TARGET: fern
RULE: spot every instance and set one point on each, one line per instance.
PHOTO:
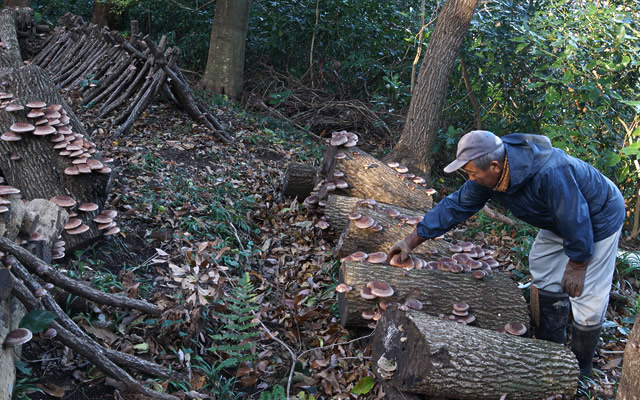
(276, 394)
(235, 337)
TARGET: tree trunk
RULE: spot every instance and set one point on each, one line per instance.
(629, 388)
(430, 93)
(298, 180)
(443, 358)
(10, 53)
(225, 64)
(369, 178)
(358, 239)
(494, 300)
(15, 3)
(39, 171)
(102, 15)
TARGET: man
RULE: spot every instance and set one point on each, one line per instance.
(578, 210)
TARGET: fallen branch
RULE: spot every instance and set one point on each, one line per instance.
(496, 216)
(49, 274)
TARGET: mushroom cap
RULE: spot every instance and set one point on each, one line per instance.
(340, 184)
(466, 246)
(460, 306)
(391, 212)
(11, 136)
(73, 223)
(338, 140)
(81, 229)
(408, 263)
(455, 249)
(368, 314)
(365, 293)
(460, 313)
(109, 213)
(322, 224)
(21, 127)
(73, 170)
(35, 113)
(102, 219)
(6, 189)
(44, 130)
(402, 169)
(474, 264)
(36, 104)
(17, 337)
(430, 191)
(364, 222)
(112, 231)
(63, 201)
(36, 237)
(377, 258)
(343, 288)
(354, 216)
(515, 328)
(14, 107)
(418, 180)
(380, 289)
(414, 220)
(479, 274)
(393, 164)
(50, 333)
(340, 156)
(359, 256)
(311, 200)
(39, 292)
(469, 319)
(413, 304)
(86, 207)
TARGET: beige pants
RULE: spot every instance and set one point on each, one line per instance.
(547, 262)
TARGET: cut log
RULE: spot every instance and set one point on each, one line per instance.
(494, 300)
(369, 178)
(629, 388)
(298, 181)
(394, 229)
(423, 354)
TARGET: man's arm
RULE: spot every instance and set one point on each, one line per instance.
(452, 210)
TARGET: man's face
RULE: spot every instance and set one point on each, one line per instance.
(488, 178)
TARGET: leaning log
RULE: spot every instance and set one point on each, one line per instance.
(423, 354)
(494, 301)
(629, 388)
(394, 229)
(370, 178)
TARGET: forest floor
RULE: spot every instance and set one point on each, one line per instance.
(206, 235)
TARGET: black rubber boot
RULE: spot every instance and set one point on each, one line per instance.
(584, 340)
(554, 312)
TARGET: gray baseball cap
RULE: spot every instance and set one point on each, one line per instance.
(473, 145)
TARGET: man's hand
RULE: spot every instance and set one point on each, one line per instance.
(401, 248)
(573, 278)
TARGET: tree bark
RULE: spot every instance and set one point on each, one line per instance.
(298, 181)
(358, 239)
(494, 300)
(443, 358)
(225, 64)
(15, 3)
(9, 53)
(39, 173)
(339, 207)
(369, 178)
(425, 110)
(102, 15)
(629, 388)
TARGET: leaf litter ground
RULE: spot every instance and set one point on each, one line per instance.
(195, 215)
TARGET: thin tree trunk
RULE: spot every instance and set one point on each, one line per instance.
(629, 388)
(425, 111)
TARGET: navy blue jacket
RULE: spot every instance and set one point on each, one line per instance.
(548, 189)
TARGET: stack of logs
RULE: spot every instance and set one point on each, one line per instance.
(448, 323)
(102, 68)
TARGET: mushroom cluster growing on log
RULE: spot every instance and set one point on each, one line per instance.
(53, 121)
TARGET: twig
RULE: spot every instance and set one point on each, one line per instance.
(313, 40)
(472, 97)
(295, 357)
(496, 216)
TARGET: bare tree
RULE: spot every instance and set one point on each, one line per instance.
(429, 95)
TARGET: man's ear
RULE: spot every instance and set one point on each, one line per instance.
(495, 166)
